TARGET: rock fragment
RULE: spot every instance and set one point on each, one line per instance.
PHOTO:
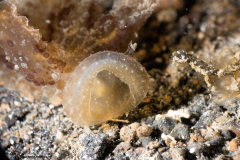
(128, 133)
(144, 131)
(95, 146)
(180, 132)
(122, 148)
(165, 124)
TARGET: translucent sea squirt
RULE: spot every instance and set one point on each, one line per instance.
(105, 85)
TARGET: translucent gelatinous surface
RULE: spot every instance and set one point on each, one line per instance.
(108, 91)
(105, 85)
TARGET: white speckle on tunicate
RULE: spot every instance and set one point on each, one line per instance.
(6, 52)
(27, 58)
(47, 21)
(24, 65)
(55, 76)
(16, 67)
(7, 58)
(38, 64)
(23, 43)
(20, 58)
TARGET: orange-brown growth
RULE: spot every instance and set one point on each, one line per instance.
(22, 47)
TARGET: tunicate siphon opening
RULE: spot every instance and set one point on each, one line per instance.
(108, 94)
